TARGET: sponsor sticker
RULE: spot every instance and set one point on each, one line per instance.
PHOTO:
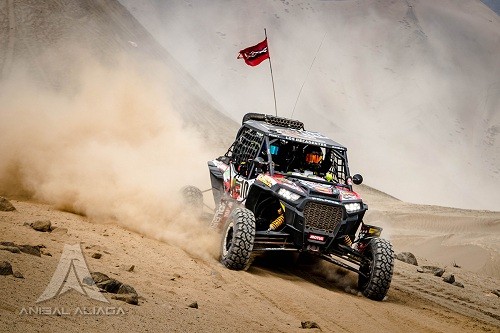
(316, 237)
(266, 180)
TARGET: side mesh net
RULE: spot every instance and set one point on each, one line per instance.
(338, 168)
(246, 147)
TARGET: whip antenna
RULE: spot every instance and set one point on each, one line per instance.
(307, 75)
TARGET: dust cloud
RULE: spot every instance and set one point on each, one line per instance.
(110, 147)
(337, 276)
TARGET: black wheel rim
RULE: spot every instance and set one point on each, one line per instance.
(366, 269)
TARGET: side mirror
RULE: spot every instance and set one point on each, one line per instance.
(357, 179)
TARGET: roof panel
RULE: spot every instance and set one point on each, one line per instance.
(296, 135)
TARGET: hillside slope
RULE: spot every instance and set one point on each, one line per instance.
(411, 87)
(54, 44)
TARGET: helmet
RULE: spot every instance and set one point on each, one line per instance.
(313, 156)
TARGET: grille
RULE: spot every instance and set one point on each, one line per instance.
(323, 217)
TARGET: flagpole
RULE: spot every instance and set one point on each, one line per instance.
(272, 78)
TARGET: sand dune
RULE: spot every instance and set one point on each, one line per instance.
(411, 87)
(101, 125)
(449, 236)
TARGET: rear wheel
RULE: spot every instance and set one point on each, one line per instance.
(238, 238)
(377, 268)
(193, 198)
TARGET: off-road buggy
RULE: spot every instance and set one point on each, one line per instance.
(270, 198)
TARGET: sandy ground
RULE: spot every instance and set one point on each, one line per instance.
(273, 295)
(468, 238)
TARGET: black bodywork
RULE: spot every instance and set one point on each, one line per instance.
(322, 213)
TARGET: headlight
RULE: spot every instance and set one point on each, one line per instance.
(352, 207)
(288, 195)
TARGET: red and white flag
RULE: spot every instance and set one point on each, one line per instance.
(256, 54)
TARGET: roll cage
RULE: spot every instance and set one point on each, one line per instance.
(260, 146)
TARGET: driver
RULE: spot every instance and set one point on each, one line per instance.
(313, 158)
(315, 163)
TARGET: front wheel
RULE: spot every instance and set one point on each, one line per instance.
(238, 238)
(377, 269)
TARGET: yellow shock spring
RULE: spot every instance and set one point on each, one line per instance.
(278, 222)
(347, 240)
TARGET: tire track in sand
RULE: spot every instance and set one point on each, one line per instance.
(451, 300)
